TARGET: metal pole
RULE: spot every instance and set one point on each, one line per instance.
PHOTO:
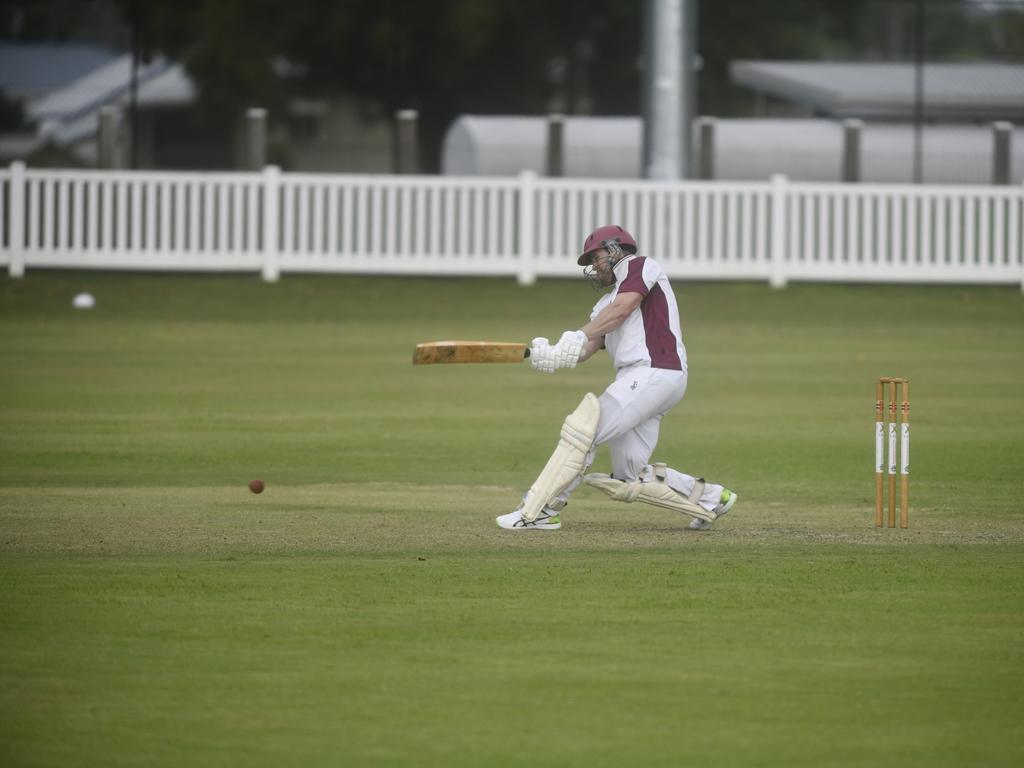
(133, 99)
(918, 89)
(668, 74)
(689, 101)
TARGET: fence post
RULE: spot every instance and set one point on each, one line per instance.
(780, 199)
(527, 185)
(16, 268)
(271, 187)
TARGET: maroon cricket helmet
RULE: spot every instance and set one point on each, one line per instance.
(601, 235)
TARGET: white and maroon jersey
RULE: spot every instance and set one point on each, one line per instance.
(651, 336)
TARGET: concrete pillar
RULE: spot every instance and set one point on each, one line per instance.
(852, 132)
(555, 161)
(255, 139)
(107, 149)
(1002, 152)
(406, 147)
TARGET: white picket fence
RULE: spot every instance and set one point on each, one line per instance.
(524, 226)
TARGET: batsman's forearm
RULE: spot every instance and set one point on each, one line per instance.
(607, 320)
(592, 345)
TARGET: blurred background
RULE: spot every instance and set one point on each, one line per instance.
(928, 78)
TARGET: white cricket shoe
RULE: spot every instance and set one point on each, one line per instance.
(547, 520)
(727, 502)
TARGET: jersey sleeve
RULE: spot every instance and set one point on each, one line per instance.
(638, 278)
(603, 302)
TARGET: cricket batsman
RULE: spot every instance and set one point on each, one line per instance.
(637, 322)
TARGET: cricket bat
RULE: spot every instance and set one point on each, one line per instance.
(432, 352)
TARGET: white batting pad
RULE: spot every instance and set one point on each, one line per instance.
(656, 492)
(569, 459)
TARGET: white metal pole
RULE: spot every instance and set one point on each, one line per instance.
(669, 86)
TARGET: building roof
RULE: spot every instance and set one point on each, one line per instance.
(30, 70)
(70, 113)
(108, 83)
(887, 90)
(65, 86)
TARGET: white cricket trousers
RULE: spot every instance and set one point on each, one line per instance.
(631, 411)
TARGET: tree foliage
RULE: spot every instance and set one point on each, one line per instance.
(442, 57)
(446, 57)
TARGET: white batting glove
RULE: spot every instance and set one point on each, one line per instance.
(569, 348)
(542, 356)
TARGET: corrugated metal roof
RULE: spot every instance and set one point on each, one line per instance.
(986, 91)
(29, 70)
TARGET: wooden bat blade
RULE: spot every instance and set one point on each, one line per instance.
(433, 352)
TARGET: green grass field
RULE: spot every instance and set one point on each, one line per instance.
(365, 610)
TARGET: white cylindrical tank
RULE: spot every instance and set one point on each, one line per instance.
(744, 149)
(595, 147)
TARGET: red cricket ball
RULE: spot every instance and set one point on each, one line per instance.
(256, 486)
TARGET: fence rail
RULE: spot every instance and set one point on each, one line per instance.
(524, 226)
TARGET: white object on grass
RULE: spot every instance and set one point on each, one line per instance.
(83, 301)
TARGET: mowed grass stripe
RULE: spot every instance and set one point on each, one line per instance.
(366, 610)
(786, 652)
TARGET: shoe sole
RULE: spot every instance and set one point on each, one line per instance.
(548, 523)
